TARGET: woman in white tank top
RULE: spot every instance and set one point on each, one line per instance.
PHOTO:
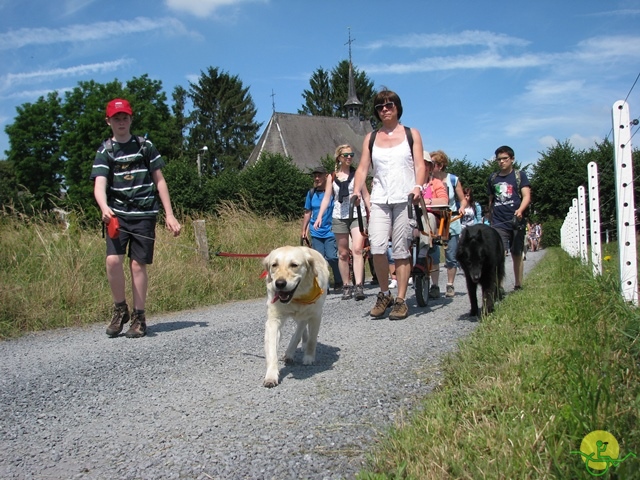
(398, 171)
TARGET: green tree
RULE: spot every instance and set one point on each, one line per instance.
(179, 119)
(556, 178)
(318, 100)
(275, 185)
(329, 92)
(34, 153)
(187, 191)
(223, 119)
(10, 196)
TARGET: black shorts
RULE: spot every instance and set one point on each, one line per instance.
(139, 235)
(513, 240)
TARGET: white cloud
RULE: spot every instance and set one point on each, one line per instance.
(71, 7)
(603, 50)
(552, 91)
(581, 142)
(483, 60)
(203, 8)
(465, 38)
(193, 77)
(11, 79)
(578, 141)
(91, 32)
(625, 12)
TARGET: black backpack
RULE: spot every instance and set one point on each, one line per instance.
(407, 132)
(142, 148)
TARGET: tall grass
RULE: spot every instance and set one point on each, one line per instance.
(54, 278)
(554, 362)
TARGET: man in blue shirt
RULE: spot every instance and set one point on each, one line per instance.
(322, 239)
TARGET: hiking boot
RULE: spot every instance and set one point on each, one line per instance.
(451, 292)
(434, 291)
(382, 303)
(347, 292)
(118, 319)
(359, 293)
(399, 310)
(138, 326)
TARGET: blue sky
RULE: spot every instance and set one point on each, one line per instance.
(472, 74)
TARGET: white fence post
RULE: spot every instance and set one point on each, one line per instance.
(594, 217)
(582, 224)
(570, 230)
(625, 205)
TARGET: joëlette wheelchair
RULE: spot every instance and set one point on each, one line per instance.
(431, 228)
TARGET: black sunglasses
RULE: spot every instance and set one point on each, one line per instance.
(345, 155)
(382, 106)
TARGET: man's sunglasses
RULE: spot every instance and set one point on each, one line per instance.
(382, 106)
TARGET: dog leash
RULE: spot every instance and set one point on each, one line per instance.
(240, 255)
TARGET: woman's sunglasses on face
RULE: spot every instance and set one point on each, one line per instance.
(345, 155)
(382, 106)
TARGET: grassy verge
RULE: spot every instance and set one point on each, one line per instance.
(554, 362)
(51, 278)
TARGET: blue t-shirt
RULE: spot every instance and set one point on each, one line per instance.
(506, 197)
(312, 203)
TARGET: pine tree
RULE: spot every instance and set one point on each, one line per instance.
(223, 120)
(330, 91)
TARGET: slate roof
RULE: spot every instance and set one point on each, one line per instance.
(307, 139)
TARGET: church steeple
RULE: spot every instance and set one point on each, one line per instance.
(353, 105)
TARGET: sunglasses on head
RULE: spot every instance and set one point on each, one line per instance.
(345, 155)
(382, 106)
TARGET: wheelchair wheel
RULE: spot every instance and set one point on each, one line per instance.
(421, 284)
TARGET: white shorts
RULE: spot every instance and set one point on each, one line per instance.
(390, 221)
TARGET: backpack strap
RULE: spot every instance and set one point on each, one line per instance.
(407, 132)
(111, 160)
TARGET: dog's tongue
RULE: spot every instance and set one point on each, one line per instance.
(282, 296)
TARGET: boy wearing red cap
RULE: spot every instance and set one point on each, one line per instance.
(129, 186)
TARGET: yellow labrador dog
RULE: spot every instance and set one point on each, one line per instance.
(297, 280)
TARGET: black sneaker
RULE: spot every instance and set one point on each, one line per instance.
(118, 319)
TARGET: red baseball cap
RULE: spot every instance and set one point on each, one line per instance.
(118, 105)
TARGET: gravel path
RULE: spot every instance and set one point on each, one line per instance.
(187, 401)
